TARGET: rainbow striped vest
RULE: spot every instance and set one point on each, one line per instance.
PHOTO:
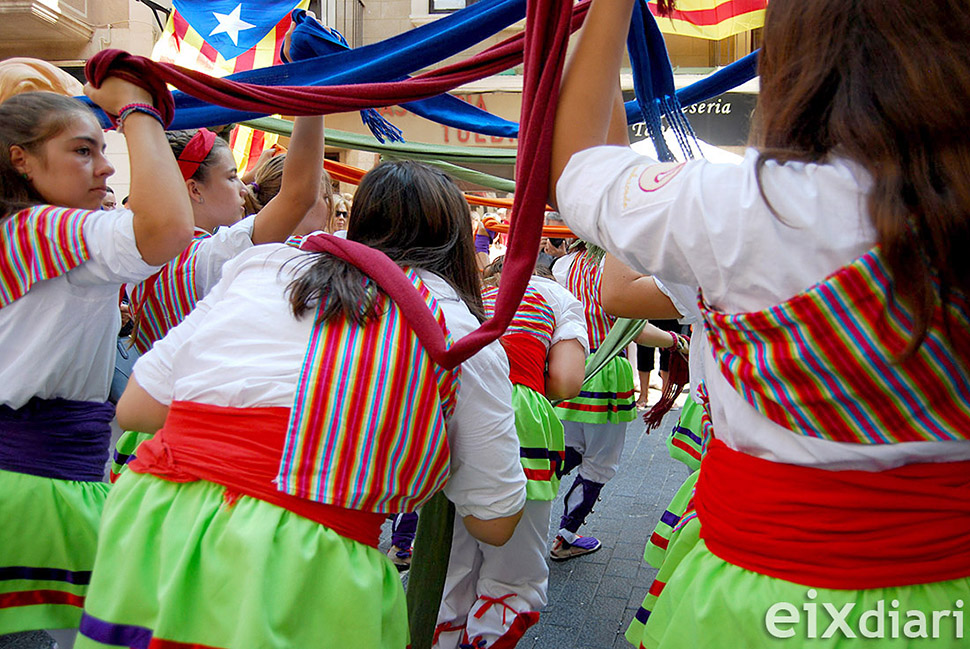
(526, 342)
(39, 243)
(823, 364)
(367, 429)
(583, 281)
(534, 317)
(167, 297)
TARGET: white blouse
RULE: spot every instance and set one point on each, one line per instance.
(58, 340)
(704, 224)
(242, 347)
(224, 244)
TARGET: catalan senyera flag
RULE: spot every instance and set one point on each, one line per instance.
(712, 19)
(220, 37)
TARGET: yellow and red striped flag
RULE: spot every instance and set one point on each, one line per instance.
(221, 37)
(712, 19)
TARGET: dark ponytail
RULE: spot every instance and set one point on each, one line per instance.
(885, 83)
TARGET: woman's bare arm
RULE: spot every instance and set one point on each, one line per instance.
(626, 293)
(588, 93)
(138, 410)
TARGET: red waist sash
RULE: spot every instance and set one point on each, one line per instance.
(527, 360)
(848, 530)
(240, 449)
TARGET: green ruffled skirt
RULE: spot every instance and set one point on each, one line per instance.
(178, 564)
(686, 441)
(125, 449)
(607, 398)
(540, 431)
(48, 538)
(709, 604)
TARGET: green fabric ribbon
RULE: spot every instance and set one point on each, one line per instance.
(429, 568)
(444, 156)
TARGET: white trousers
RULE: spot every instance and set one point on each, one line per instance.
(495, 593)
(601, 446)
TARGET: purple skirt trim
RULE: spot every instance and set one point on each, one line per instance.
(77, 577)
(56, 438)
(119, 635)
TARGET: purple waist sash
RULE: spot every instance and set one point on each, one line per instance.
(56, 438)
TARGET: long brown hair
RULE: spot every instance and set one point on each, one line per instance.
(29, 120)
(885, 83)
(417, 216)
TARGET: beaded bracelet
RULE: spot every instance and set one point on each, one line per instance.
(679, 341)
(147, 109)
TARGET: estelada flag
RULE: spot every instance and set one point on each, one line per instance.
(712, 19)
(220, 37)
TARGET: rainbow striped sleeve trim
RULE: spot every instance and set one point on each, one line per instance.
(167, 297)
(533, 317)
(367, 429)
(825, 363)
(583, 281)
(39, 243)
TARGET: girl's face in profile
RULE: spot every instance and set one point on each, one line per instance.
(70, 169)
(223, 192)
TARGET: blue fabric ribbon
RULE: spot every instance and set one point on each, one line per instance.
(727, 78)
(311, 39)
(418, 48)
(653, 81)
(741, 71)
(388, 59)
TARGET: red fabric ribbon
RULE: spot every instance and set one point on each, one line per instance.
(131, 68)
(543, 49)
(847, 530)
(195, 152)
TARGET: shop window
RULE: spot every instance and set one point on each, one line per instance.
(447, 6)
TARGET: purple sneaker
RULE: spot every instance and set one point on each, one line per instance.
(562, 550)
(401, 558)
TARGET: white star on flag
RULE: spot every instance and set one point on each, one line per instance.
(231, 24)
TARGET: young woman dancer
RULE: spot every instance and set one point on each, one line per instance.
(833, 502)
(296, 410)
(492, 595)
(594, 422)
(62, 263)
(218, 205)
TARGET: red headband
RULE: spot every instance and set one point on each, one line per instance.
(195, 152)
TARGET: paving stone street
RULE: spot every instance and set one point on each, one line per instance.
(593, 598)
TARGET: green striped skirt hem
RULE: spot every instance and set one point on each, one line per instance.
(48, 541)
(541, 442)
(606, 398)
(709, 603)
(177, 564)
